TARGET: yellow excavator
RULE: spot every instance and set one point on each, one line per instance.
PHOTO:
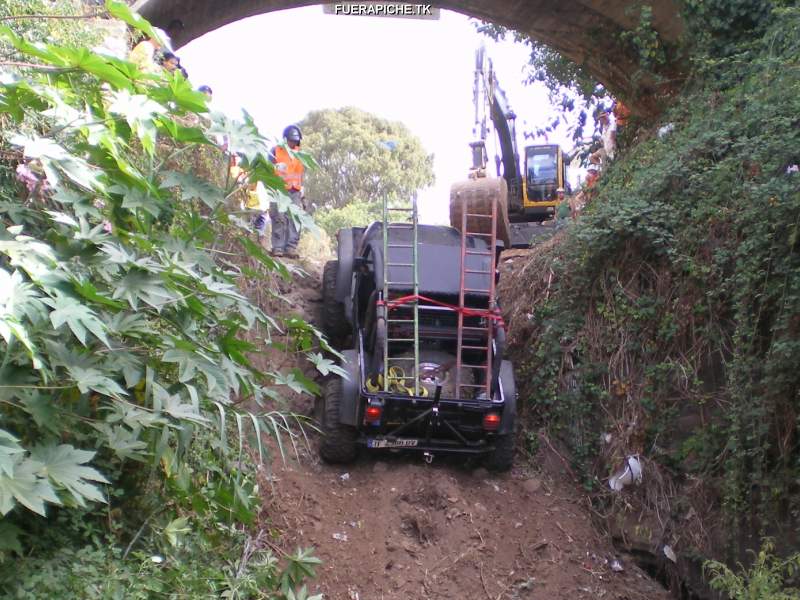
(526, 195)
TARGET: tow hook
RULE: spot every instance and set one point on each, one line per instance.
(428, 457)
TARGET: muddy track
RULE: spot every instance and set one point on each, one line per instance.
(391, 527)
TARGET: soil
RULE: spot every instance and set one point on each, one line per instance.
(391, 527)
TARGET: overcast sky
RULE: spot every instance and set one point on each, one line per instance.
(281, 65)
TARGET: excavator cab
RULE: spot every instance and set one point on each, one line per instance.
(545, 172)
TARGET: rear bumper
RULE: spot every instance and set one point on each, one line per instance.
(421, 424)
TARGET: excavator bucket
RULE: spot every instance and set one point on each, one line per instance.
(479, 194)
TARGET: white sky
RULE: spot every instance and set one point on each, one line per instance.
(281, 65)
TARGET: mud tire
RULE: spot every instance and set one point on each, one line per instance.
(334, 321)
(502, 457)
(338, 444)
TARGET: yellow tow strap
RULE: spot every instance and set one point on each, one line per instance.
(397, 383)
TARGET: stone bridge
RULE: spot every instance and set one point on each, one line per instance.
(586, 31)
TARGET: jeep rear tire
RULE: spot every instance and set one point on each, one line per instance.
(334, 322)
(502, 457)
(338, 443)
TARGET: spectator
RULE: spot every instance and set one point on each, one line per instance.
(621, 115)
(143, 56)
(608, 137)
(285, 234)
(206, 90)
(170, 62)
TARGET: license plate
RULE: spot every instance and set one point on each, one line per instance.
(396, 443)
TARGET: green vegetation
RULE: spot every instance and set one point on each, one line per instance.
(362, 160)
(763, 581)
(669, 326)
(128, 399)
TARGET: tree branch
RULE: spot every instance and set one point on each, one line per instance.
(8, 63)
(19, 17)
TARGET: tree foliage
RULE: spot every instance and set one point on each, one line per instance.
(122, 325)
(362, 158)
(676, 299)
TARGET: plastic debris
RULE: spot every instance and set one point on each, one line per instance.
(616, 566)
(630, 473)
(666, 129)
(670, 553)
(344, 476)
(341, 537)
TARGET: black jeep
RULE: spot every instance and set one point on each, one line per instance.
(435, 410)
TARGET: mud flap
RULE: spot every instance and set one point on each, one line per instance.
(509, 421)
(348, 409)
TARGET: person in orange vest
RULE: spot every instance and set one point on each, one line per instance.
(285, 233)
(621, 115)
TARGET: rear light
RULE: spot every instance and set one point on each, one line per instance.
(373, 414)
(491, 421)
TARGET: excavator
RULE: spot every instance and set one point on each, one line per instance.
(526, 195)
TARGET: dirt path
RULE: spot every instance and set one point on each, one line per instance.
(391, 527)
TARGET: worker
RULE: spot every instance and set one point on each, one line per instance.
(285, 232)
(143, 55)
(608, 136)
(170, 62)
(563, 207)
(621, 115)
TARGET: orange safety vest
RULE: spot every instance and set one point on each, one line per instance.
(289, 168)
(621, 114)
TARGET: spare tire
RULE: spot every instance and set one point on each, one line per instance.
(437, 366)
(334, 322)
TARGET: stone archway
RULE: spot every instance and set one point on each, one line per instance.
(586, 31)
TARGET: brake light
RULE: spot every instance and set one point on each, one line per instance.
(491, 421)
(373, 414)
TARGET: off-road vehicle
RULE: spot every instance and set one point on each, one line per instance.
(412, 309)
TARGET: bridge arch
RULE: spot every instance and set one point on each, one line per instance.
(586, 31)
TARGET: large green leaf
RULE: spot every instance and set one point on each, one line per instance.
(191, 363)
(127, 363)
(139, 285)
(124, 442)
(194, 187)
(80, 203)
(139, 111)
(40, 51)
(27, 487)
(55, 158)
(94, 379)
(174, 406)
(135, 198)
(96, 64)
(176, 529)
(18, 298)
(122, 11)
(181, 133)
(9, 449)
(77, 316)
(65, 466)
(180, 93)
(242, 138)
